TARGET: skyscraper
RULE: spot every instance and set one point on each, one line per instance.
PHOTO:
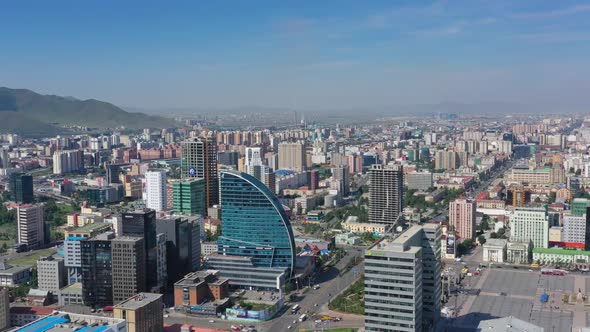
(21, 187)
(155, 188)
(292, 156)
(129, 269)
(97, 278)
(402, 281)
(142, 223)
(67, 161)
(385, 193)
(189, 196)
(462, 218)
(253, 158)
(183, 248)
(31, 229)
(256, 247)
(341, 176)
(199, 160)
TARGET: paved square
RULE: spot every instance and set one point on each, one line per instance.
(511, 282)
(502, 306)
(558, 283)
(555, 320)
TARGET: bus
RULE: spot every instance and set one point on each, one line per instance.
(295, 309)
(303, 317)
(553, 272)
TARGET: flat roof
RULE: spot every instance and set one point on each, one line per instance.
(560, 251)
(88, 227)
(139, 300)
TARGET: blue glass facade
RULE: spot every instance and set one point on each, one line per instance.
(254, 223)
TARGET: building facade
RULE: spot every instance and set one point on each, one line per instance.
(155, 190)
(51, 274)
(462, 218)
(97, 279)
(199, 160)
(190, 196)
(385, 194)
(292, 156)
(530, 224)
(129, 269)
(31, 228)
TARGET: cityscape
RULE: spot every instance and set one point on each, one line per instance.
(451, 204)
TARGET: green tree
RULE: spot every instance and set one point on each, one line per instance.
(481, 239)
(493, 235)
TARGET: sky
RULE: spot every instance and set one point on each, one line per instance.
(299, 54)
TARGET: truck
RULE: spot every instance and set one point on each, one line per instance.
(303, 318)
(295, 309)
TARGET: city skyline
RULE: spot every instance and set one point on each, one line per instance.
(309, 56)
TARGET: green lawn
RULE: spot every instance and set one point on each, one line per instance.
(352, 300)
(31, 259)
(7, 235)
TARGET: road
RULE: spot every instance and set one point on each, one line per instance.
(330, 282)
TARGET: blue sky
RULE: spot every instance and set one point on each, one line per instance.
(304, 54)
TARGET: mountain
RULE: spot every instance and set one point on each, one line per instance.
(27, 112)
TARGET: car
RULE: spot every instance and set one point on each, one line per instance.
(166, 315)
(530, 270)
(315, 305)
(211, 321)
(318, 321)
(316, 287)
(294, 322)
(289, 327)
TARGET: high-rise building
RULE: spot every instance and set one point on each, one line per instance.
(292, 156)
(155, 189)
(97, 278)
(462, 218)
(575, 229)
(579, 206)
(256, 247)
(21, 187)
(385, 193)
(314, 179)
(51, 274)
(129, 269)
(183, 250)
(402, 281)
(530, 224)
(4, 158)
(67, 161)
(190, 196)
(341, 175)
(199, 160)
(31, 228)
(143, 312)
(142, 223)
(4, 308)
(253, 157)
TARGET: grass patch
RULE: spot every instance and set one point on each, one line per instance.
(31, 259)
(352, 300)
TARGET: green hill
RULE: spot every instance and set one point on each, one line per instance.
(29, 113)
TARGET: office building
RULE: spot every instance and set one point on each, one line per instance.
(161, 261)
(68, 161)
(31, 228)
(51, 274)
(579, 206)
(155, 189)
(97, 279)
(183, 250)
(419, 180)
(256, 245)
(292, 156)
(143, 312)
(462, 218)
(253, 158)
(385, 194)
(530, 224)
(201, 292)
(402, 281)
(128, 265)
(190, 196)
(199, 160)
(21, 187)
(142, 223)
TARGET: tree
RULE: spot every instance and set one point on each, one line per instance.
(578, 172)
(493, 235)
(481, 239)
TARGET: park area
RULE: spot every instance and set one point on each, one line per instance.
(352, 300)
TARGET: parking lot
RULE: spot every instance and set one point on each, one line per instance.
(515, 292)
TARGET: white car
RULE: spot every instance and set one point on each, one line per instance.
(212, 321)
(289, 327)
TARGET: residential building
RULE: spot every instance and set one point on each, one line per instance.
(68, 161)
(31, 228)
(446, 160)
(199, 160)
(530, 224)
(575, 229)
(252, 159)
(129, 269)
(256, 245)
(292, 156)
(21, 187)
(462, 218)
(143, 312)
(386, 191)
(97, 271)
(4, 309)
(190, 196)
(341, 177)
(155, 189)
(51, 274)
(403, 282)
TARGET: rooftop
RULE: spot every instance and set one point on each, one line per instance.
(138, 301)
(508, 324)
(495, 243)
(560, 251)
(66, 322)
(89, 227)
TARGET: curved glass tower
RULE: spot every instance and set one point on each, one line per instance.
(254, 223)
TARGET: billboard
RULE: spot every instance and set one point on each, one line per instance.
(451, 245)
